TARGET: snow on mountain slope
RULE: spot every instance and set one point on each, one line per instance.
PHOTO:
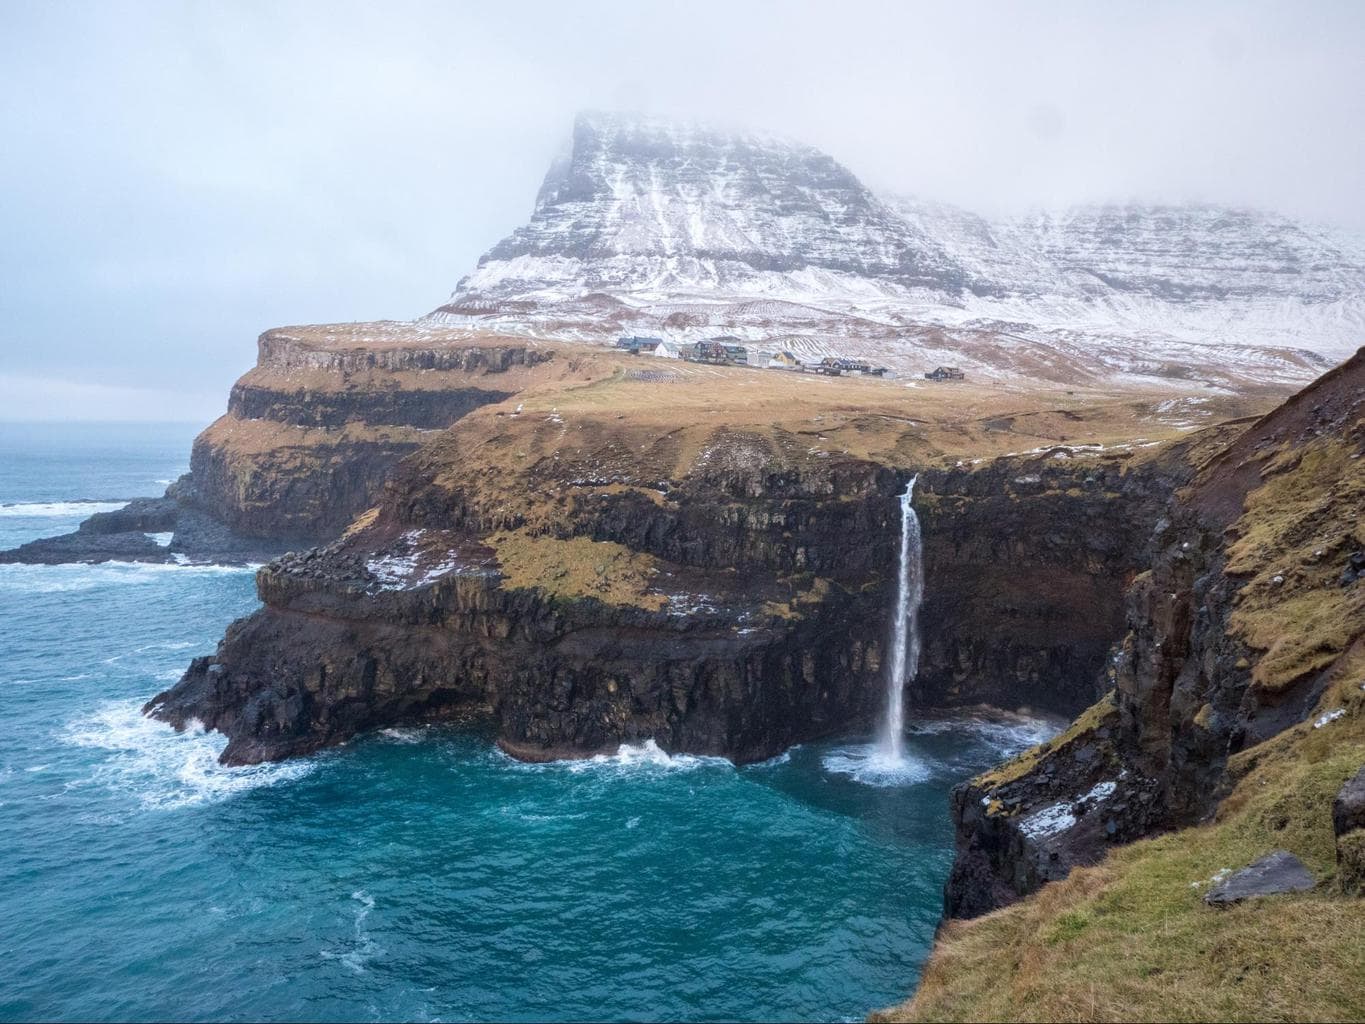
(638, 203)
(646, 225)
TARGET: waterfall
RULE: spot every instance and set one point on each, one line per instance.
(903, 663)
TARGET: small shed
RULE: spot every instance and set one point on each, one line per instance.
(945, 373)
(668, 350)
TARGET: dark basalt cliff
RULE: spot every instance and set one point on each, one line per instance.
(1026, 562)
(594, 596)
(1251, 610)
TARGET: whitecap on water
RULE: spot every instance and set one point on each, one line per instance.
(364, 948)
(871, 765)
(72, 577)
(778, 759)
(25, 509)
(630, 758)
(410, 735)
(164, 769)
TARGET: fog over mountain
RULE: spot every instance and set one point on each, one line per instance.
(180, 178)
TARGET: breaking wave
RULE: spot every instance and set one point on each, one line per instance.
(164, 769)
(363, 948)
(1005, 732)
(71, 577)
(59, 508)
(406, 735)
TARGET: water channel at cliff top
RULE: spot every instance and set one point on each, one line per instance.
(411, 874)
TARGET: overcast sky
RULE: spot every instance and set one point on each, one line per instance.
(175, 178)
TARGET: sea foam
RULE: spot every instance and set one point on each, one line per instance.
(34, 509)
(872, 765)
(78, 576)
(1006, 732)
(629, 759)
(163, 769)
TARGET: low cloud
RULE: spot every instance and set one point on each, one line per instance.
(179, 177)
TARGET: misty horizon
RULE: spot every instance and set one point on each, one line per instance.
(184, 178)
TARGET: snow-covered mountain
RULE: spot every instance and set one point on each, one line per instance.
(649, 225)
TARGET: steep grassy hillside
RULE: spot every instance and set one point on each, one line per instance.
(1132, 939)
(1240, 714)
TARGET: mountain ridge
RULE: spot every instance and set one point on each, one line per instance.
(645, 225)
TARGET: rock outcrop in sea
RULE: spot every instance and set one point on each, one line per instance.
(309, 437)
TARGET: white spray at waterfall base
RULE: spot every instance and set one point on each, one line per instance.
(903, 663)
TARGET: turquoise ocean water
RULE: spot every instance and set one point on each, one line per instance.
(410, 874)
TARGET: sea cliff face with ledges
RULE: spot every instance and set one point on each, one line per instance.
(620, 558)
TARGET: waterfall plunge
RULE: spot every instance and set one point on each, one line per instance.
(905, 641)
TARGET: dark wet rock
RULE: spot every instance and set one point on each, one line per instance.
(119, 535)
(145, 515)
(1274, 873)
(84, 546)
(1348, 825)
(122, 536)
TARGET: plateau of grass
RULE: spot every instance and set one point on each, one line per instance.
(576, 568)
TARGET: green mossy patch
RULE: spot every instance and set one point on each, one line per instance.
(1292, 540)
(577, 568)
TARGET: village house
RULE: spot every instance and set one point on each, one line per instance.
(709, 352)
(785, 360)
(637, 345)
(945, 373)
(671, 350)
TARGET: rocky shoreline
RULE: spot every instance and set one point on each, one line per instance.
(125, 535)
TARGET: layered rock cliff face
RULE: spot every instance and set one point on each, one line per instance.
(313, 431)
(581, 578)
(1026, 563)
(1249, 620)
(309, 437)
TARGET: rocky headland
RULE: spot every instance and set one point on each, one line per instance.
(576, 549)
(698, 556)
(309, 437)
